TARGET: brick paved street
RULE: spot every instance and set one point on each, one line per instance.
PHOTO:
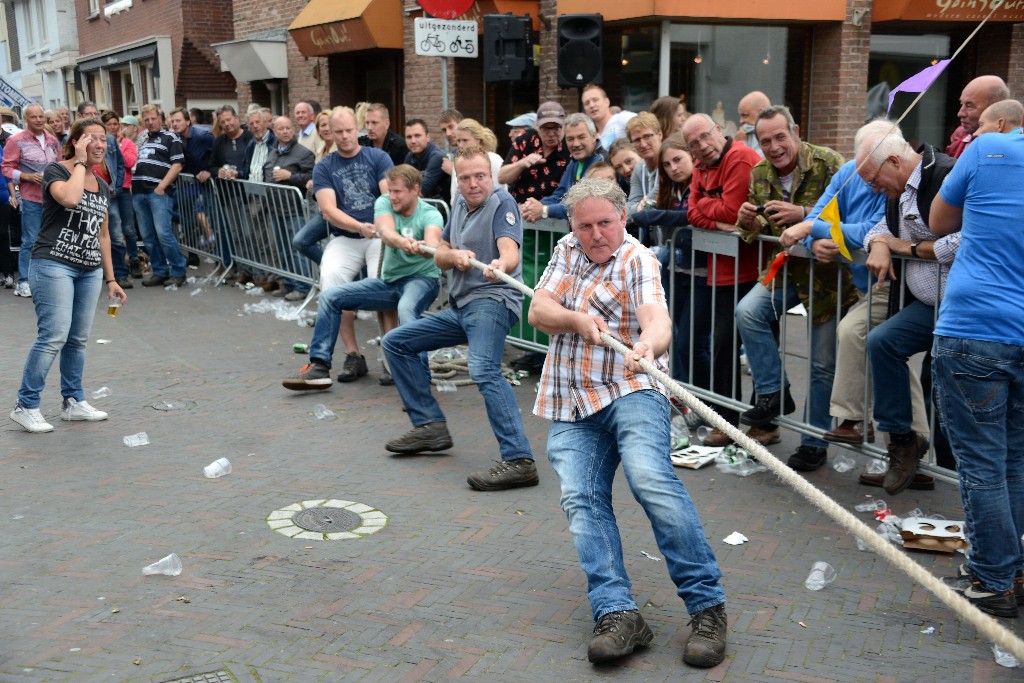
(458, 585)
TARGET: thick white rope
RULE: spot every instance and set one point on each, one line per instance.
(986, 625)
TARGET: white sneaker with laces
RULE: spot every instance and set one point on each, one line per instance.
(73, 410)
(22, 289)
(31, 420)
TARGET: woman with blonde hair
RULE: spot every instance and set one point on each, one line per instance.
(471, 133)
(323, 128)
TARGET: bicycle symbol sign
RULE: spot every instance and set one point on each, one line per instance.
(446, 38)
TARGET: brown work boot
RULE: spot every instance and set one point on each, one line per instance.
(920, 482)
(903, 463)
(717, 439)
(851, 432)
(765, 436)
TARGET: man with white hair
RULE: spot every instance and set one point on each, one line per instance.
(606, 411)
(752, 104)
(911, 181)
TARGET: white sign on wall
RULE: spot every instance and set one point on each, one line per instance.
(446, 38)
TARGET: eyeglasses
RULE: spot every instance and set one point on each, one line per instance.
(874, 178)
(645, 138)
(694, 145)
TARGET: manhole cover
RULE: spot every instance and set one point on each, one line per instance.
(327, 520)
(221, 676)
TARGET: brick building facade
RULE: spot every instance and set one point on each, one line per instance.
(159, 51)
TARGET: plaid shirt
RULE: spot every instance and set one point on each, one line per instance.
(923, 279)
(580, 379)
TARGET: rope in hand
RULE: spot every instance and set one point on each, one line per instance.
(985, 624)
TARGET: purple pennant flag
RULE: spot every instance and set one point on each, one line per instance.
(919, 82)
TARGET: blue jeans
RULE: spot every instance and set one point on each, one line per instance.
(633, 430)
(31, 220)
(307, 239)
(890, 346)
(980, 394)
(117, 249)
(65, 300)
(483, 324)
(153, 213)
(410, 295)
(755, 314)
(126, 212)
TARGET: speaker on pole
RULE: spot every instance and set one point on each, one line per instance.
(579, 50)
(507, 48)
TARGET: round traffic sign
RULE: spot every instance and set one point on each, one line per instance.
(446, 9)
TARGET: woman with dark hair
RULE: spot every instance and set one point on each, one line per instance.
(70, 263)
(670, 112)
(683, 271)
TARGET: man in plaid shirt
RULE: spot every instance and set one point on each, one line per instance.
(605, 411)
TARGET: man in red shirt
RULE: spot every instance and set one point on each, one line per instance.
(975, 98)
(721, 177)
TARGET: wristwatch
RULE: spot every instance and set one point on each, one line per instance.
(544, 211)
(913, 248)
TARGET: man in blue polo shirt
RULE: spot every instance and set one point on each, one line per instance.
(346, 183)
(978, 364)
(484, 225)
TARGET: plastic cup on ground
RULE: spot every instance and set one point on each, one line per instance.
(843, 462)
(102, 392)
(133, 440)
(217, 468)
(703, 432)
(322, 412)
(821, 575)
(876, 466)
(871, 506)
(168, 566)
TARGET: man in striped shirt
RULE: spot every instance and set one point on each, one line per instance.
(160, 161)
(606, 410)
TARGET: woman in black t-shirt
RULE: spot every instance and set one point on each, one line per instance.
(70, 263)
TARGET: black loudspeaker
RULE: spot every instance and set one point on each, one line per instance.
(579, 50)
(507, 48)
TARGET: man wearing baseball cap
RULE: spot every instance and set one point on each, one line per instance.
(538, 157)
(533, 168)
(520, 125)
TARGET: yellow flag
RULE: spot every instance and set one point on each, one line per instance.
(830, 214)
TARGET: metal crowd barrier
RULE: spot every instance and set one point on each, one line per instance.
(196, 230)
(696, 373)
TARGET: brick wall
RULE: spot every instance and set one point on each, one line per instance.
(423, 85)
(195, 68)
(992, 51)
(1015, 74)
(548, 88)
(257, 16)
(838, 80)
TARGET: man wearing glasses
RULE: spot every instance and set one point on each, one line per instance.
(911, 181)
(721, 177)
(585, 149)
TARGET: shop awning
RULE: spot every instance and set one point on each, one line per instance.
(681, 10)
(255, 59)
(945, 10)
(325, 27)
(136, 54)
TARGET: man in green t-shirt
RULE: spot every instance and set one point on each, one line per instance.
(409, 280)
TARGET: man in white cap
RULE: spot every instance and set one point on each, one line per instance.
(520, 125)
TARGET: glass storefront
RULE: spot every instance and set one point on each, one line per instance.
(710, 67)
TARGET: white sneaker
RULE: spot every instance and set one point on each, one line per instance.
(31, 420)
(22, 289)
(73, 410)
